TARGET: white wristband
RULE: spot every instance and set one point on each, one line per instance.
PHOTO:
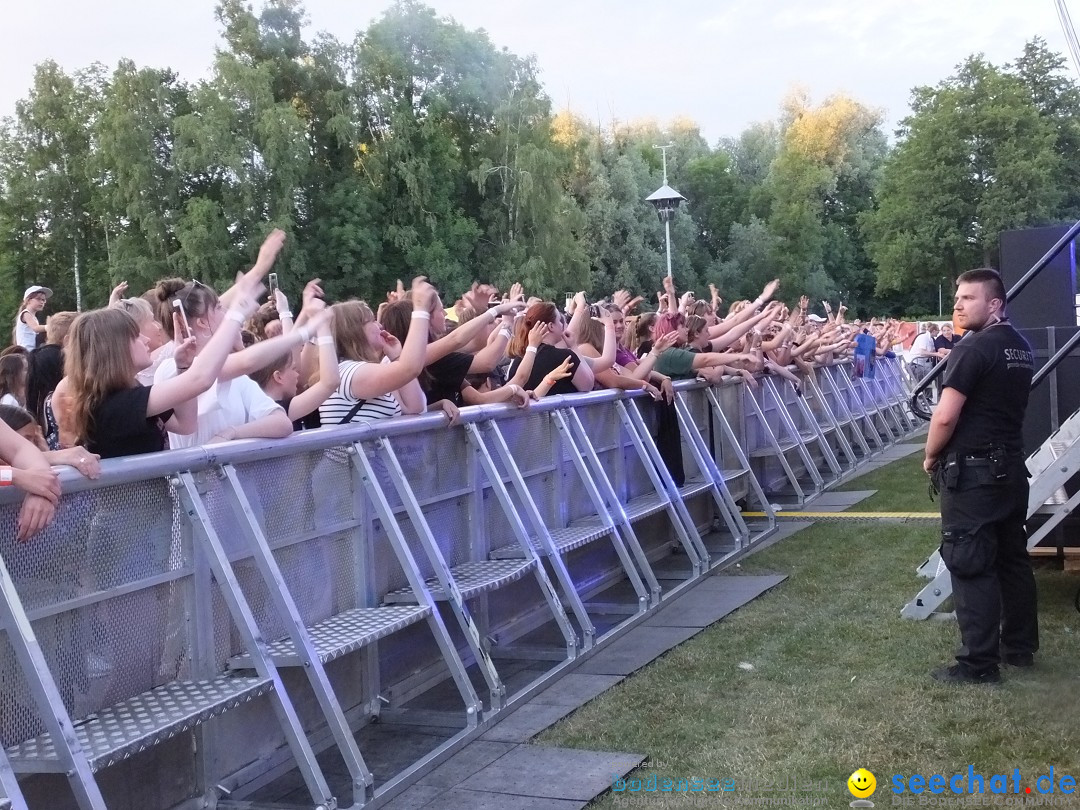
(531, 349)
(304, 333)
(494, 313)
(285, 314)
(504, 332)
(236, 315)
(421, 315)
(325, 340)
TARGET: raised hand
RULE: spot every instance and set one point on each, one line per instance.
(118, 292)
(391, 345)
(770, 289)
(312, 291)
(517, 292)
(422, 294)
(539, 331)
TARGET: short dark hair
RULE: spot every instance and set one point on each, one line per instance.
(985, 275)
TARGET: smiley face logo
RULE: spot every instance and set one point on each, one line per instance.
(862, 783)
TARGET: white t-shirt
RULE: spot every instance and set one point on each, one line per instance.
(9, 399)
(225, 404)
(341, 402)
(924, 341)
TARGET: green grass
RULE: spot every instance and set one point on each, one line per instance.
(839, 680)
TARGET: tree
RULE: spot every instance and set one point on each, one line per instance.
(975, 158)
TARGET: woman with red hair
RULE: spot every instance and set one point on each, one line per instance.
(534, 361)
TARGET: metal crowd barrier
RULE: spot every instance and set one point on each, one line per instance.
(198, 622)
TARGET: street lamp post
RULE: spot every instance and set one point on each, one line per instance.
(666, 201)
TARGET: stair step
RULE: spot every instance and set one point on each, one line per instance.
(638, 508)
(471, 578)
(693, 488)
(342, 634)
(565, 540)
(121, 731)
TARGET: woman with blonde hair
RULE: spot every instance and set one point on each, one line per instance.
(150, 327)
(378, 373)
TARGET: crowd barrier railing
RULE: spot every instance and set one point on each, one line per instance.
(219, 615)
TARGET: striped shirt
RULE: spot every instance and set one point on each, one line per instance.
(341, 402)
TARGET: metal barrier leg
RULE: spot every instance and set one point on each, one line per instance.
(832, 422)
(666, 492)
(70, 756)
(486, 577)
(521, 533)
(245, 623)
(570, 425)
(303, 650)
(773, 448)
(12, 798)
(797, 438)
(725, 504)
(532, 513)
(744, 463)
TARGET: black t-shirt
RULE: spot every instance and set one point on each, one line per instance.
(942, 342)
(445, 377)
(308, 422)
(548, 358)
(993, 369)
(119, 425)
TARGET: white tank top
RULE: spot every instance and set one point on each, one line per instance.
(24, 335)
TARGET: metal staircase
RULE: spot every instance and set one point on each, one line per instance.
(1051, 466)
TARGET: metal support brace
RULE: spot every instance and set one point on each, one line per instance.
(797, 438)
(850, 420)
(778, 452)
(419, 588)
(623, 536)
(287, 611)
(50, 704)
(521, 534)
(12, 793)
(532, 513)
(858, 406)
(660, 478)
(811, 385)
(725, 504)
(476, 644)
(814, 426)
(207, 541)
(744, 462)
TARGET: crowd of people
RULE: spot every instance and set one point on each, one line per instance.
(182, 366)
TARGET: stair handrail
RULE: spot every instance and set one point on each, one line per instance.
(935, 372)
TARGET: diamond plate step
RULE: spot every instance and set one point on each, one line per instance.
(121, 731)
(342, 634)
(565, 540)
(472, 578)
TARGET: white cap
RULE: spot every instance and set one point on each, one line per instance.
(36, 288)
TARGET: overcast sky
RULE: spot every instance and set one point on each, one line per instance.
(722, 63)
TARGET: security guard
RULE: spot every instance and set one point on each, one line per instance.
(974, 454)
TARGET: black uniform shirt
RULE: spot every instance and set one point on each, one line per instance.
(993, 369)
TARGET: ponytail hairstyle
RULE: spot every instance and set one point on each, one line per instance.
(639, 331)
(540, 312)
(195, 297)
(97, 362)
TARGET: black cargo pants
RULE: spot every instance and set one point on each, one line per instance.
(984, 546)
